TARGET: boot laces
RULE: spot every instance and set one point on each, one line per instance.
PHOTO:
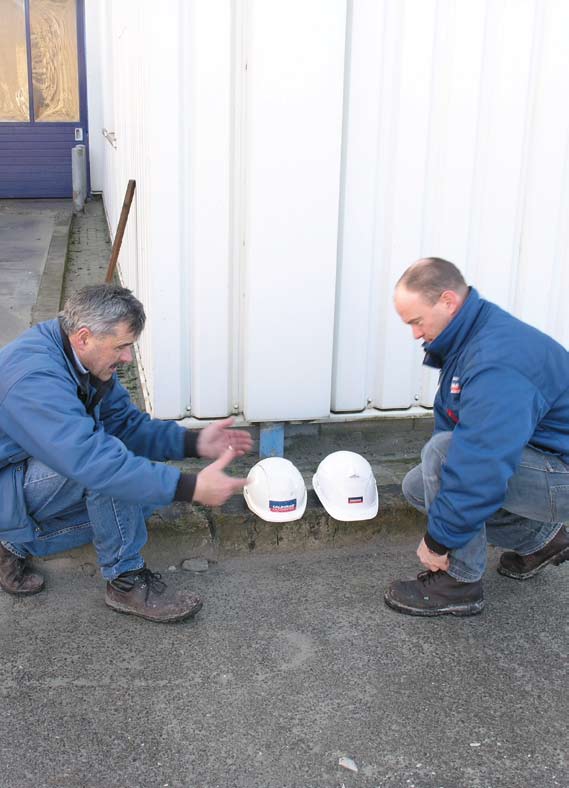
(427, 577)
(153, 581)
(143, 578)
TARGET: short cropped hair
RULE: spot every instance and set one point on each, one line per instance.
(100, 308)
(431, 276)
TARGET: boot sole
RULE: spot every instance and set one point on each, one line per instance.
(555, 560)
(172, 620)
(471, 609)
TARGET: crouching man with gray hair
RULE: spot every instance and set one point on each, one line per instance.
(497, 466)
(80, 463)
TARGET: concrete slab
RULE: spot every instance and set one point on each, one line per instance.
(33, 242)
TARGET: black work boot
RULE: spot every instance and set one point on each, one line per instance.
(521, 567)
(15, 577)
(143, 593)
(435, 594)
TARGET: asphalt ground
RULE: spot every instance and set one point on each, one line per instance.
(293, 662)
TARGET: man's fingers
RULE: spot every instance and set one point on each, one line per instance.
(238, 484)
(224, 459)
(225, 423)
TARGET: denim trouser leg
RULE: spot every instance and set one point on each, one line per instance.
(536, 503)
(67, 516)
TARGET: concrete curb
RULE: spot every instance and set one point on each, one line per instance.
(232, 529)
(51, 285)
(180, 532)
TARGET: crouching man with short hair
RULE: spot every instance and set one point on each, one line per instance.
(80, 463)
(497, 466)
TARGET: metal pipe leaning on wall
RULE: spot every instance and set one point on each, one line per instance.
(128, 197)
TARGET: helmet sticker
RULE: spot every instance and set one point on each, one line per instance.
(283, 506)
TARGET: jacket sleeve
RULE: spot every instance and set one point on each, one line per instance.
(499, 410)
(146, 437)
(43, 414)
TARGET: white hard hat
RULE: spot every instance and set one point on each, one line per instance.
(346, 486)
(275, 491)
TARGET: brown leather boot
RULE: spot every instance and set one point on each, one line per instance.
(522, 567)
(15, 577)
(435, 594)
(143, 593)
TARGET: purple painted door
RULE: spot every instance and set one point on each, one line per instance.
(43, 104)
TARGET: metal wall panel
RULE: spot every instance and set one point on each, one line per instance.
(208, 218)
(355, 302)
(405, 99)
(542, 278)
(292, 159)
(295, 69)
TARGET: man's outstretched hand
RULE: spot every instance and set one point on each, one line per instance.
(213, 486)
(433, 561)
(217, 437)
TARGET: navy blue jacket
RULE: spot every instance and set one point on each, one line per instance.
(503, 385)
(49, 411)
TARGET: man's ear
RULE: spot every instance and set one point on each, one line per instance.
(82, 337)
(451, 300)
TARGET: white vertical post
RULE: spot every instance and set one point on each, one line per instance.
(78, 177)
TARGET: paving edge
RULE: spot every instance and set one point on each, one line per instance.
(51, 285)
(181, 531)
(231, 529)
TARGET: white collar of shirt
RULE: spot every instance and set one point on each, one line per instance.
(79, 364)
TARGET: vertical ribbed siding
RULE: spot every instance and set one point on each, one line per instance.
(454, 142)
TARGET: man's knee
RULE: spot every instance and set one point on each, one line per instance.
(434, 452)
(413, 489)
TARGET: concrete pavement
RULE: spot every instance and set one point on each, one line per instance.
(293, 662)
(33, 245)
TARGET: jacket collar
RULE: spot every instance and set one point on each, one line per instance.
(451, 339)
(84, 377)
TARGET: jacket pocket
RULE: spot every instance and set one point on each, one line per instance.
(15, 523)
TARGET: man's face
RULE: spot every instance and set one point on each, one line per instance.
(427, 321)
(101, 354)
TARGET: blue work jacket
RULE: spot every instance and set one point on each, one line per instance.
(50, 412)
(503, 385)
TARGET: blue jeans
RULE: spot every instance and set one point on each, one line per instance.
(536, 504)
(67, 515)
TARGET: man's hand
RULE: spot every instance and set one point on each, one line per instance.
(215, 439)
(433, 561)
(213, 487)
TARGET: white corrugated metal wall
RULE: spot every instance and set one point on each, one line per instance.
(292, 158)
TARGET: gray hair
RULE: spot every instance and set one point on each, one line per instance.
(100, 308)
(431, 276)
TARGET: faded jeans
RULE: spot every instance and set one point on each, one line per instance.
(536, 504)
(67, 515)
